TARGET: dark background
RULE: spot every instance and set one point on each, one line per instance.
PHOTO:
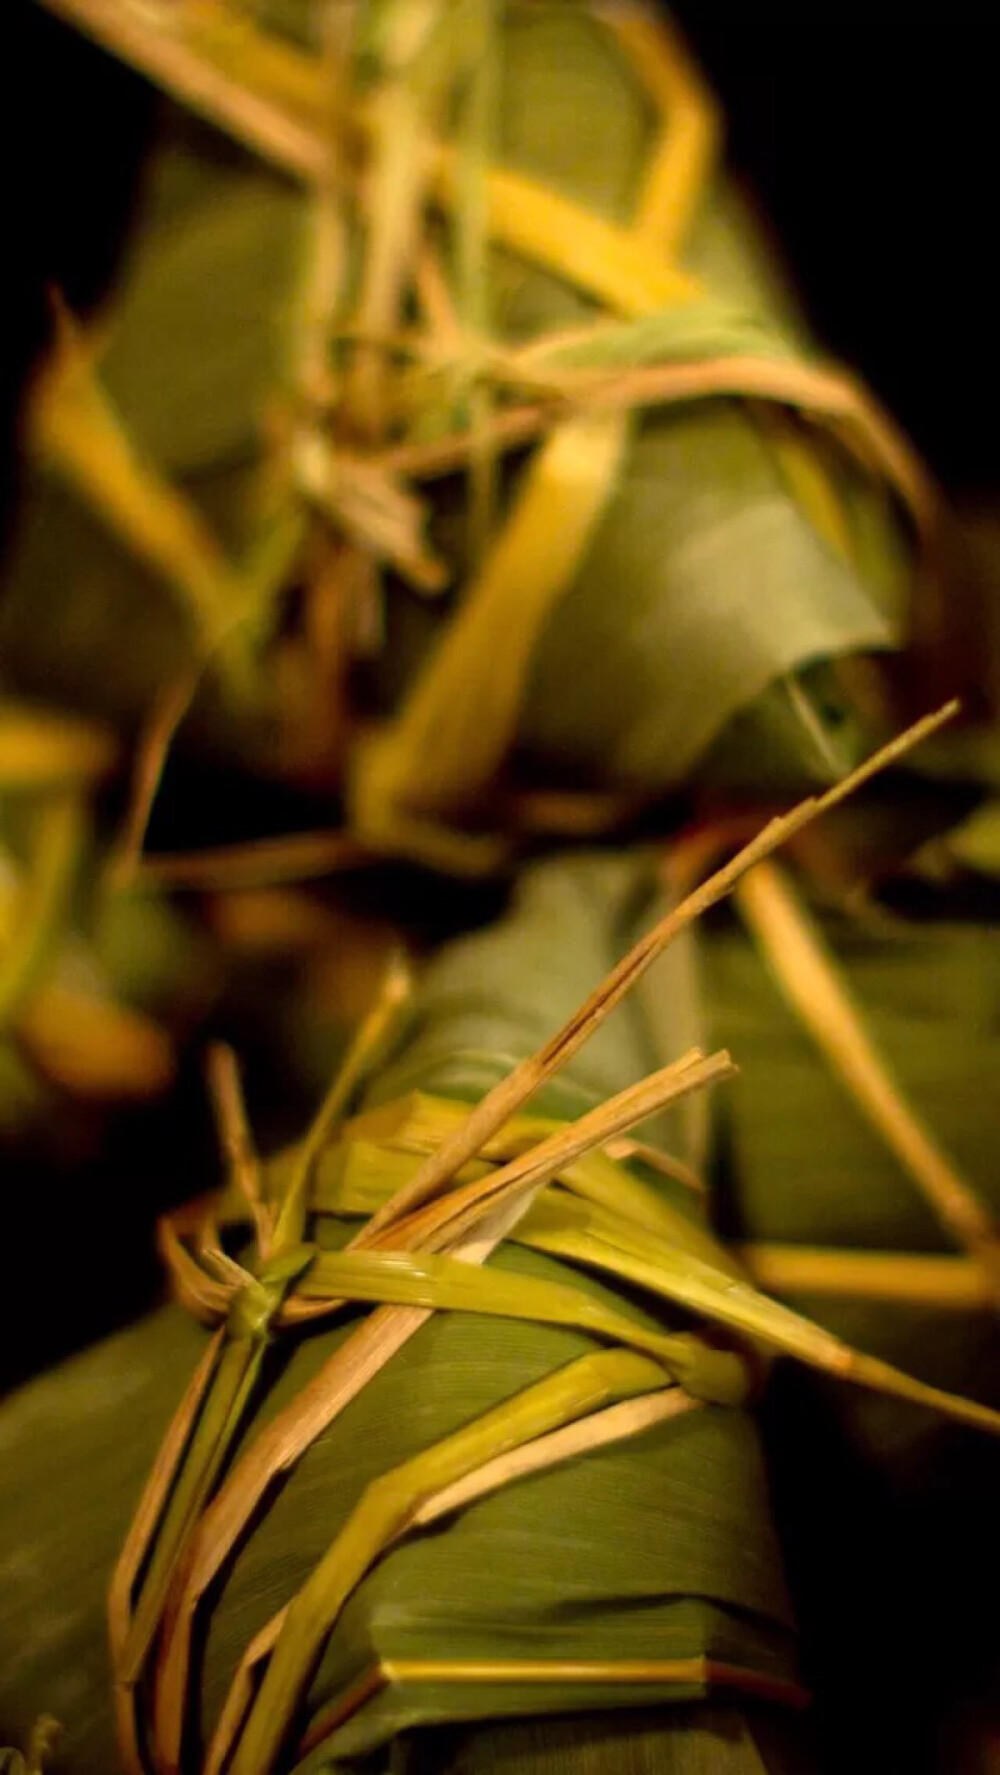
(866, 139)
(868, 134)
(866, 146)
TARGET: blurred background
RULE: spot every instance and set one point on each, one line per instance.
(866, 148)
(866, 152)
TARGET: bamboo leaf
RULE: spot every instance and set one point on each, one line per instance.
(926, 993)
(392, 1501)
(202, 334)
(458, 721)
(809, 979)
(416, 1279)
(81, 435)
(693, 1487)
(951, 1284)
(253, 1306)
(655, 711)
(654, 701)
(525, 1079)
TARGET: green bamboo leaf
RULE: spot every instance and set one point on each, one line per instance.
(417, 1279)
(359, 1175)
(390, 1504)
(697, 1575)
(200, 357)
(928, 993)
(697, 329)
(280, 1259)
(201, 335)
(799, 1168)
(664, 667)
(197, 360)
(721, 1739)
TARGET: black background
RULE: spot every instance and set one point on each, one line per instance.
(867, 140)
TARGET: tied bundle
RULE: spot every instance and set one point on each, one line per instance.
(326, 1658)
(449, 455)
(450, 473)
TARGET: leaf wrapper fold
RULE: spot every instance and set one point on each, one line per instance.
(671, 1562)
